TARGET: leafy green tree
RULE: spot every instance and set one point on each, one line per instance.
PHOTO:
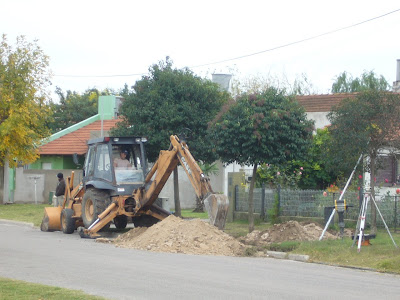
(310, 173)
(24, 110)
(316, 174)
(74, 107)
(266, 127)
(172, 101)
(345, 83)
(365, 125)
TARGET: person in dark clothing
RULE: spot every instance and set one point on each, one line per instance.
(60, 190)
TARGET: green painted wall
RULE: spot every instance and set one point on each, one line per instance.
(12, 179)
(68, 162)
(58, 162)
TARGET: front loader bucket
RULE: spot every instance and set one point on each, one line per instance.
(51, 219)
(217, 208)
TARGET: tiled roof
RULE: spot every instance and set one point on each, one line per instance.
(76, 141)
(322, 103)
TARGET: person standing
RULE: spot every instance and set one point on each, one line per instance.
(60, 190)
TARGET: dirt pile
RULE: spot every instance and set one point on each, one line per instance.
(177, 235)
(288, 231)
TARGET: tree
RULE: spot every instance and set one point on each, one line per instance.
(310, 173)
(74, 107)
(171, 101)
(365, 124)
(345, 83)
(24, 110)
(265, 127)
(257, 83)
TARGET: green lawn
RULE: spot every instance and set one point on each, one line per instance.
(31, 213)
(15, 289)
(381, 255)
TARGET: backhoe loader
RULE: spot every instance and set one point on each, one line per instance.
(109, 193)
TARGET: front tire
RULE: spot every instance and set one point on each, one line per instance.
(94, 202)
(67, 222)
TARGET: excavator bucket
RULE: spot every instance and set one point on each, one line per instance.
(217, 208)
(51, 219)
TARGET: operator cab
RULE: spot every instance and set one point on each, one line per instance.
(116, 163)
(127, 163)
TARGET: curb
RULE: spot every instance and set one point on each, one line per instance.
(284, 255)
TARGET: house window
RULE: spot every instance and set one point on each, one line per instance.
(46, 166)
(386, 174)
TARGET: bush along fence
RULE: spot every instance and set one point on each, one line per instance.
(315, 204)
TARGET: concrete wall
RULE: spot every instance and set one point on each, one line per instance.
(35, 185)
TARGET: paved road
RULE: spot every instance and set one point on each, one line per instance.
(102, 269)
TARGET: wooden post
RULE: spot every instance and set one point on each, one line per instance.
(176, 194)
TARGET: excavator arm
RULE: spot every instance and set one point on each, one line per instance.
(162, 169)
(216, 204)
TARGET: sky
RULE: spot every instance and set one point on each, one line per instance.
(106, 44)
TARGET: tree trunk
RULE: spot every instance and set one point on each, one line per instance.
(373, 208)
(176, 194)
(251, 202)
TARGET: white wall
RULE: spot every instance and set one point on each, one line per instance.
(320, 119)
(187, 195)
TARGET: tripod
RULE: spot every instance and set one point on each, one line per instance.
(362, 218)
(340, 205)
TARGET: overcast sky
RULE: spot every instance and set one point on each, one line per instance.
(106, 38)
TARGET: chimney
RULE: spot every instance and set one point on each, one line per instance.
(224, 81)
(396, 84)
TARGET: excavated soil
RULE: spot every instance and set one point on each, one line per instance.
(177, 235)
(288, 231)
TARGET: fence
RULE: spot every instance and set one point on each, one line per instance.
(314, 204)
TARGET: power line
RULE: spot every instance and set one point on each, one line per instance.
(119, 75)
(251, 54)
(297, 42)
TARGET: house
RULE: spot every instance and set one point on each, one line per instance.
(63, 152)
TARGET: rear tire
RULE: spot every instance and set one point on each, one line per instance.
(121, 221)
(94, 202)
(67, 222)
(144, 221)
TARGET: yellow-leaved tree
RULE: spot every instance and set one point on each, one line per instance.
(24, 113)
